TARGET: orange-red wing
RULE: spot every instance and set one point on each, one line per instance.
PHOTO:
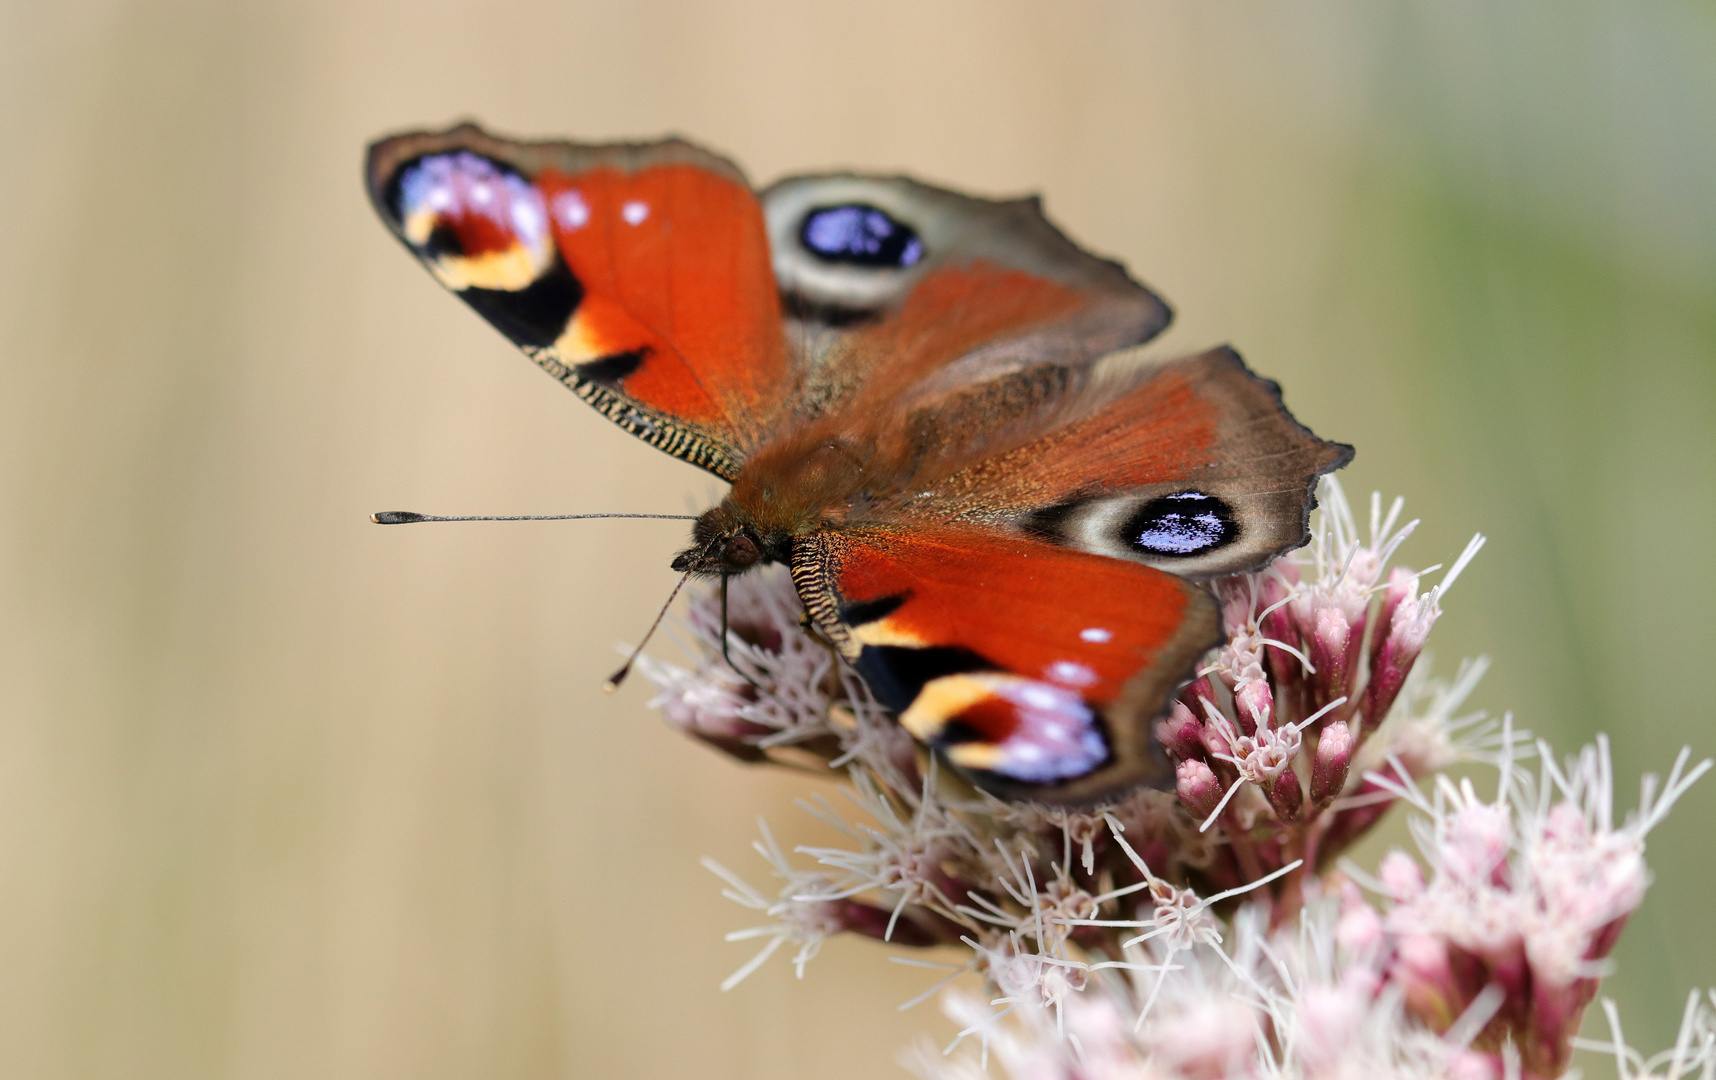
(639, 275)
(1036, 669)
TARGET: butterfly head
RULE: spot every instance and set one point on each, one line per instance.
(723, 542)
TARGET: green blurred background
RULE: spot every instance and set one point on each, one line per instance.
(286, 795)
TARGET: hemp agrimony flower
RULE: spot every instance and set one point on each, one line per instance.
(1213, 930)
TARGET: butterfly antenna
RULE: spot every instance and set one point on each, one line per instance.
(619, 676)
(408, 517)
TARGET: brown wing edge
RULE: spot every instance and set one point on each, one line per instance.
(1333, 455)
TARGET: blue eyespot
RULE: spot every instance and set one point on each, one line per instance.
(1180, 525)
(861, 235)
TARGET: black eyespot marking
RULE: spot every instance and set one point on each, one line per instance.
(861, 235)
(1180, 525)
(535, 315)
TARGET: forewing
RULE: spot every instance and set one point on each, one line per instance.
(637, 274)
(911, 293)
(1035, 669)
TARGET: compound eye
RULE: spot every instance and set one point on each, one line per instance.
(860, 235)
(740, 551)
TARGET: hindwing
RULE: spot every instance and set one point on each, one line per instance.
(1033, 668)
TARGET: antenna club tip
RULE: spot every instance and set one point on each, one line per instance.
(618, 677)
(395, 517)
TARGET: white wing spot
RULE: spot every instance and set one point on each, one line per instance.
(1038, 696)
(482, 192)
(1096, 634)
(527, 220)
(571, 209)
(635, 212)
(1068, 673)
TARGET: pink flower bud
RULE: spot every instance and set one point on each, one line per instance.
(1475, 1065)
(1180, 732)
(1285, 796)
(1329, 768)
(1286, 668)
(1359, 931)
(1329, 1018)
(1556, 1011)
(1425, 975)
(1213, 1039)
(1218, 738)
(1566, 825)
(1219, 734)
(1400, 635)
(1409, 626)
(1402, 583)
(706, 705)
(871, 921)
(1198, 788)
(1329, 652)
(1235, 596)
(1255, 703)
(1603, 941)
(1270, 590)
(1401, 876)
(1195, 693)
(1473, 845)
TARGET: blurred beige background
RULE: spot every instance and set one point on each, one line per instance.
(283, 794)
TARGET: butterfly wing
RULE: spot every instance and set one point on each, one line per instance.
(974, 359)
(641, 275)
(1029, 613)
(908, 291)
(637, 274)
(1193, 466)
(1011, 575)
(1034, 668)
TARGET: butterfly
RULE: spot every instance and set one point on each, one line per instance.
(928, 407)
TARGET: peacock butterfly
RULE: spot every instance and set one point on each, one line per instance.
(928, 408)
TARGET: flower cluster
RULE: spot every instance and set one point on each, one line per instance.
(1312, 1000)
(1526, 897)
(1211, 930)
